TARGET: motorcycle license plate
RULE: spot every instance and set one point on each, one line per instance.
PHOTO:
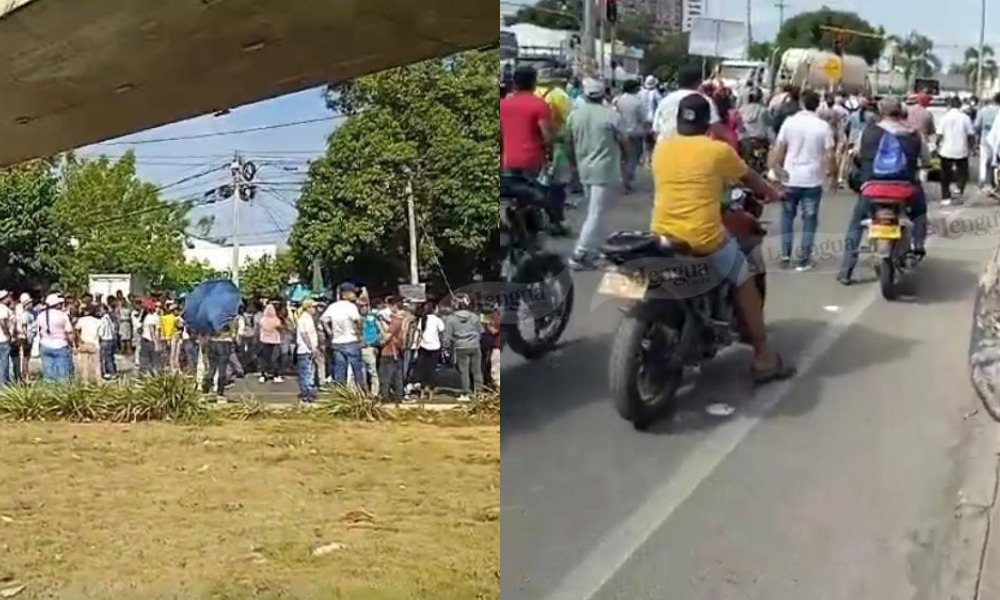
(885, 232)
(622, 286)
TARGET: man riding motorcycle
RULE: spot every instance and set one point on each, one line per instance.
(691, 171)
(892, 121)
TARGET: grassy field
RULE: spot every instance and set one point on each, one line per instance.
(237, 511)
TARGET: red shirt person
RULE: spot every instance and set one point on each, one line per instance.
(524, 125)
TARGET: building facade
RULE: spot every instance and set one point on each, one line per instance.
(668, 15)
(692, 10)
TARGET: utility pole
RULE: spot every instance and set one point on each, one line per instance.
(782, 5)
(588, 33)
(411, 216)
(236, 169)
(749, 28)
(603, 16)
(982, 50)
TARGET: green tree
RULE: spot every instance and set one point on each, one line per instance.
(762, 51)
(914, 56)
(183, 277)
(432, 125)
(552, 14)
(970, 68)
(268, 276)
(804, 31)
(118, 223)
(668, 56)
(31, 240)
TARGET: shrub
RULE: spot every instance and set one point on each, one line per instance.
(351, 402)
(483, 406)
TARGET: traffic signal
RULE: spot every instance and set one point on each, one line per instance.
(612, 10)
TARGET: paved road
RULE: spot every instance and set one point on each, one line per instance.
(839, 485)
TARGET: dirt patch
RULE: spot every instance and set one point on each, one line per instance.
(270, 509)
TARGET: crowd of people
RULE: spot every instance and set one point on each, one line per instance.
(700, 139)
(393, 349)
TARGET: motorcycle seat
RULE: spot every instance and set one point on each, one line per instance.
(629, 245)
(890, 192)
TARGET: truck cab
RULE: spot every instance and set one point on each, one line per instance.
(735, 74)
(508, 55)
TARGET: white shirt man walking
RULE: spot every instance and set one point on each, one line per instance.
(804, 150)
(957, 136)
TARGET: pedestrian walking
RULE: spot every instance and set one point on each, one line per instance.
(957, 138)
(635, 129)
(804, 150)
(597, 143)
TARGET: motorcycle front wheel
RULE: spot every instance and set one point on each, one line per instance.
(547, 280)
(645, 371)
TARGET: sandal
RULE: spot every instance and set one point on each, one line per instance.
(781, 372)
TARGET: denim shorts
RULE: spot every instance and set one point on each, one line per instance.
(729, 263)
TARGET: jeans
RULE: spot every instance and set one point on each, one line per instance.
(218, 367)
(369, 358)
(108, 367)
(191, 355)
(149, 359)
(808, 199)
(348, 356)
(917, 209)
(20, 358)
(5, 363)
(591, 234)
(391, 377)
(633, 155)
(57, 364)
(306, 370)
(470, 369)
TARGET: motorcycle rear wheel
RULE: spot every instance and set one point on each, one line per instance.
(887, 279)
(640, 397)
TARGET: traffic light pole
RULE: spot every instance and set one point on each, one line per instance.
(237, 172)
(588, 35)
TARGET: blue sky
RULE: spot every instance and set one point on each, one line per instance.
(282, 154)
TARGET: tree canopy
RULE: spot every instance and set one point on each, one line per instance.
(268, 277)
(31, 237)
(805, 31)
(432, 125)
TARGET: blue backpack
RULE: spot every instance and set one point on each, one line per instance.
(371, 330)
(890, 160)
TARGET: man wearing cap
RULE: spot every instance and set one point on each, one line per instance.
(689, 80)
(691, 170)
(892, 122)
(342, 320)
(596, 145)
(307, 348)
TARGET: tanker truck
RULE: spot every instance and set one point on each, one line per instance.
(817, 70)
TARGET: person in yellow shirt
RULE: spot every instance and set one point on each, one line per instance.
(560, 173)
(691, 171)
(171, 331)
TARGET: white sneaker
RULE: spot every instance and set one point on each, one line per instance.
(262, 379)
(804, 268)
(464, 399)
(279, 379)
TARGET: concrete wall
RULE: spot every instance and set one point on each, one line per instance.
(82, 71)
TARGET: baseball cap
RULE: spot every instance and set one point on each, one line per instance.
(694, 115)
(593, 88)
(348, 288)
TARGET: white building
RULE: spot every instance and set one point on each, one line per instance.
(693, 9)
(220, 257)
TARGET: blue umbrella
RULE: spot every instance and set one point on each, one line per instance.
(211, 306)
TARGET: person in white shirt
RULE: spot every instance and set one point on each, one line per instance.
(689, 79)
(149, 342)
(7, 336)
(342, 321)
(108, 337)
(431, 328)
(804, 151)
(956, 138)
(88, 348)
(307, 348)
(25, 337)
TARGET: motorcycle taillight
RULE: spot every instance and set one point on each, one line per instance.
(885, 214)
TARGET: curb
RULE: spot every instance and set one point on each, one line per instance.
(971, 550)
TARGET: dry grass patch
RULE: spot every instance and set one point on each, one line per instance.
(150, 511)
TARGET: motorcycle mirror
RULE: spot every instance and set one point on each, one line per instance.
(737, 195)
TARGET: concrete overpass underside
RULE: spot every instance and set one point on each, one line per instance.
(76, 72)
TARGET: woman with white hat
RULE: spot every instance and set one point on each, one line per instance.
(55, 331)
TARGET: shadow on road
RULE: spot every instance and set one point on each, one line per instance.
(727, 379)
(939, 281)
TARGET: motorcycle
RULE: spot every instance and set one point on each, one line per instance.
(890, 233)
(534, 280)
(677, 317)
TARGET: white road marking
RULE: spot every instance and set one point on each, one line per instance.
(608, 557)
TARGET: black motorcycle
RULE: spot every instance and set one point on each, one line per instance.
(679, 314)
(537, 285)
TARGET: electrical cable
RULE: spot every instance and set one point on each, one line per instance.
(203, 136)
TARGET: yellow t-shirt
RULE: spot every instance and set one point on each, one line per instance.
(559, 103)
(168, 325)
(690, 174)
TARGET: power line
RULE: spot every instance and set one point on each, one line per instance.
(203, 136)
